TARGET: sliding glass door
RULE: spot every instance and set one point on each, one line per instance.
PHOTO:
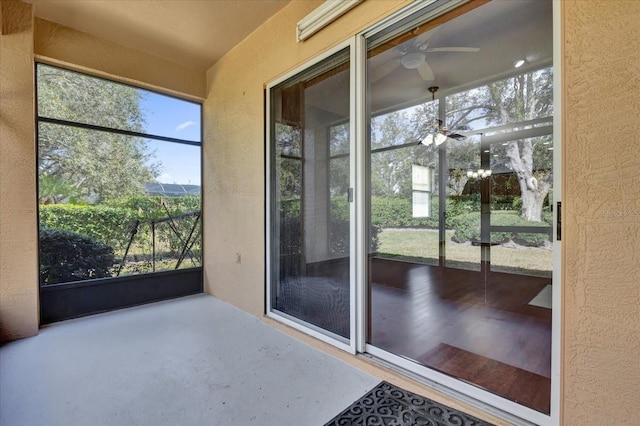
(459, 195)
(310, 212)
(410, 198)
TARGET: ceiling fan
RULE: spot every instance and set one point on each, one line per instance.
(438, 134)
(415, 58)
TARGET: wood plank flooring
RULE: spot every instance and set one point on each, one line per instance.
(522, 386)
(416, 309)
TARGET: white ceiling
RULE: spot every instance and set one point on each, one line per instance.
(501, 31)
(195, 33)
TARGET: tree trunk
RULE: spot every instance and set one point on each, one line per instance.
(533, 189)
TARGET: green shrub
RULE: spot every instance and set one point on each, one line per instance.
(397, 212)
(113, 223)
(68, 256)
(467, 228)
(156, 207)
(290, 208)
(109, 225)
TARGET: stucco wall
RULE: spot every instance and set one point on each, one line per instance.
(18, 237)
(57, 44)
(602, 213)
(23, 39)
(602, 201)
(234, 144)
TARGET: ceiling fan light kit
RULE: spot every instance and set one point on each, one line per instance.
(438, 135)
(412, 60)
(437, 139)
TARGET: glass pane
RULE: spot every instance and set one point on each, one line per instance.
(310, 186)
(79, 98)
(521, 216)
(459, 274)
(463, 237)
(114, 205)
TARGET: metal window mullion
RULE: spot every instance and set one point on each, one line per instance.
(117, 131)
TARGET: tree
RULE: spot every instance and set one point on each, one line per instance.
(512, 100)
(520, 98)
(93, 164)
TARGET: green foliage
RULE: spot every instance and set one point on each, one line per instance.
(467, 228)
(150, 207)
(108, 225)
(154, 208)
(68, 256)
(397, 212)
(53, 190)
(96, 165)
(290, 207)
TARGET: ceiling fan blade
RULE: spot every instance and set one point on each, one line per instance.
(383, 70)
(425, 71)
(453, 49)
(456, 136)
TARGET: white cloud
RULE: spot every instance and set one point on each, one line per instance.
(185, 125)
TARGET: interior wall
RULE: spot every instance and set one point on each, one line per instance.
(18, 235)
(58, 44)
(234, 148)
(601, 229)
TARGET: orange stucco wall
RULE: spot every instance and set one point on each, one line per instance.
(601, 95)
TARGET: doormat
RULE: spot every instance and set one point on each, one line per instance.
(544, 298)
(389, 405)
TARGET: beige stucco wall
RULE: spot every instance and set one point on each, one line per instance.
(601, 343)
(18, 237)
(61, 45)
(601, 306)
(601, 231)
(234, 143)
(23, 40)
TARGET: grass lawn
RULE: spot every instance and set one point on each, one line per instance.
(422, 244)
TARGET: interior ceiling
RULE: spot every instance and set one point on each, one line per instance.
(196, 33)
(501, 31)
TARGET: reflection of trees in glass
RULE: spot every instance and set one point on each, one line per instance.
(85, 163)
(513, 100)
(288, 162)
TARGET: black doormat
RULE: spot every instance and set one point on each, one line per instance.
(389, 405)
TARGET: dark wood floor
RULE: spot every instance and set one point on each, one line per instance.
(476, 328)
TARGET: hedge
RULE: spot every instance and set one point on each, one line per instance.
(68, 256)
(157, 207)
(108, 225)
(391, 212)
(467, 228)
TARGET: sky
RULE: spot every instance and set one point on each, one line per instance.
(175, 118)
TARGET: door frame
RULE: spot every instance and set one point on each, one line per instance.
(356, 344)
(348, 345)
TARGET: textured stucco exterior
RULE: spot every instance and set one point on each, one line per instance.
(18, 236)
(601, 369)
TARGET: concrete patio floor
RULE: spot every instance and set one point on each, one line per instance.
(189, 361)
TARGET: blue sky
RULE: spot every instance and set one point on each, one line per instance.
(167, 116)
